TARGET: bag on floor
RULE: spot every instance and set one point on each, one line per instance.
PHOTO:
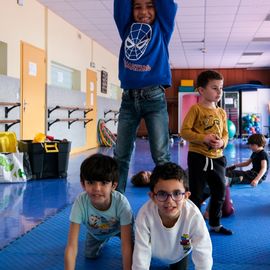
(227, 208)
(15, 167)
(8, 142)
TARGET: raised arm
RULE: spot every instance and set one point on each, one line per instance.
(166, 11)
(122, 15)
(72, 246)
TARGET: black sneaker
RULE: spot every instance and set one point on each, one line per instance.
(222, 230)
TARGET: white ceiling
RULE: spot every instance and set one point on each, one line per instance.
(208, 33)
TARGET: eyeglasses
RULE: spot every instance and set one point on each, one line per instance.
(163, 196)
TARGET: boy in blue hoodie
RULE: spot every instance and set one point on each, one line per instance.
(145, 27)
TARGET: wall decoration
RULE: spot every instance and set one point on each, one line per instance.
(104, 81)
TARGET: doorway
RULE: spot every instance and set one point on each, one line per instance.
(33, 96)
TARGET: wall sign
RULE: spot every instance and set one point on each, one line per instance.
(104, 81)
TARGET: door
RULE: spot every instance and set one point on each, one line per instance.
(33, 98)
(91, 101)
(232, 108)
(185, 101)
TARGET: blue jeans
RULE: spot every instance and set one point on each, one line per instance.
(149, 104)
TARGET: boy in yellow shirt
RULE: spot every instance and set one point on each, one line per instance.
(205, 127)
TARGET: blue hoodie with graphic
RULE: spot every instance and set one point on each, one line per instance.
(144, 56)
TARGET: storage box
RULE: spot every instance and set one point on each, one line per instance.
(185, 89)
(49, 159)
(187, 83)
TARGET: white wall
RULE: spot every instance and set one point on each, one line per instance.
(20, 23)
(36, 25)
(33, 23)
(263, 105)
(67, 46)
(257, 102)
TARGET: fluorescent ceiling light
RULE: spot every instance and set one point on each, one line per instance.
(252, 53)
(267, 17)
(244, 64)
(263, 39)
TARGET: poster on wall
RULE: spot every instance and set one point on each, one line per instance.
(32, 69)
(104, 81)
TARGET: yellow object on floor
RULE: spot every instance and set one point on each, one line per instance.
(39, 138)
(8, 142)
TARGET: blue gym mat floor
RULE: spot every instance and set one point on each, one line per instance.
(34, 218)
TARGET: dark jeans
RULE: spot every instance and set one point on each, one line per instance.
(181, 265)
(214, 177)
(247, 176)
(148, 104)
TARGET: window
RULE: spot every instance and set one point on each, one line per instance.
(3, 58)
(65, 77)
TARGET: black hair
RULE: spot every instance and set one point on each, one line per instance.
(257, 139)
(140, 179)
(99, 167)
(206, 76)
(168, 171)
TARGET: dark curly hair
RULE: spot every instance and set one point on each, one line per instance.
(168, 171)
(206, 76)
(141, 179)
(99, 167)
(258, 139)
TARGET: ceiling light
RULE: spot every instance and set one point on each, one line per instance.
(266, 39)
(267, 18)
(193, 41)
(244, 64)
(252, 53)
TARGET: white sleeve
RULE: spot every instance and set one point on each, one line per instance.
(201, 245)
(142, 250)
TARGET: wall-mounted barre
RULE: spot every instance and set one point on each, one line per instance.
(70, 121)
(9, 106)
(9, 123)
(69, 109)
(111, 111)
(111, 119)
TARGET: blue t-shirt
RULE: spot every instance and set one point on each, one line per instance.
(102, 224)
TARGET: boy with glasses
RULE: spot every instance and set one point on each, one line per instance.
(169, 226)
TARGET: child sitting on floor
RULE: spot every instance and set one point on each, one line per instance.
(258, 159)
